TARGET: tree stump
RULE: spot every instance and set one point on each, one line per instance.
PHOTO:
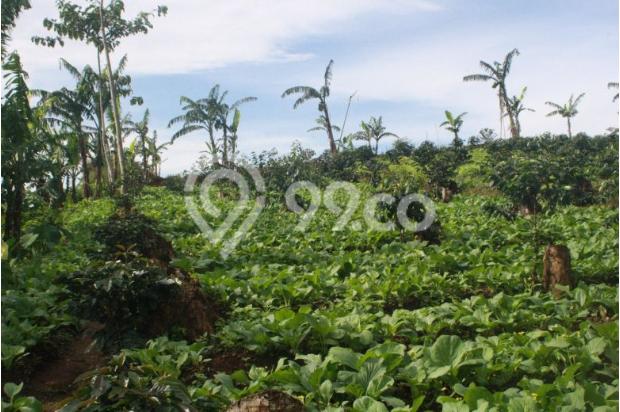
(556, 268)
(268, 401)
(446, 194)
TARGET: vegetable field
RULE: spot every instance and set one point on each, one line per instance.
(351, 320)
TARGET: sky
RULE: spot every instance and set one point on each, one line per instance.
(405, 59)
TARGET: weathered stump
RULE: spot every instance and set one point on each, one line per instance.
(556, 268)
(446, 194)
(268, 401)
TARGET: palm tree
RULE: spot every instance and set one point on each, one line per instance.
(497, 73)
(613, 85)
(373, 130)
(141, 128)
(517, 107)
(198, 116)
(224, 110)
(308, 93)
(70, 109)
(210, 114)
(99, 104)
(154, 151)
(567, 111)
(453, 124)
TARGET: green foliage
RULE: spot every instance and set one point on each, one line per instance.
(352, 319)
(132, 231)
(122, 296)
(28, 317)
(476, 172)
(19, 403)
(544, 180)
(142, 379)
(403, 177)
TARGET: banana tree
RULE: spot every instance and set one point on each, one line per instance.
(198, 115)
(224, 111)
(496, 73)
(103, 26)
(517, 107)
(154, 152)
(310, 93)
(141, 128)
(567, 111)
(373, 130)
(21, 144)
(453, 123)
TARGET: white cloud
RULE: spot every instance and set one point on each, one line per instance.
(431, 74)
(199, 34)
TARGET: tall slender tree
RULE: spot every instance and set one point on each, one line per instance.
(310, 93)
(154, 152)
(71, 109)
(517, 107)
(141, 128)
(21, 144)
(223, 112)
(453, 123)
(211, 114)
(373, 130)
(568, 110)
(197, 116)
(496, 73)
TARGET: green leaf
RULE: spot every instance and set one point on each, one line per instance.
(344, 356)
(326, 390)
(368, 404)
(12, 389)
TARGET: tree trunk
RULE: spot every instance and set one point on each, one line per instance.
(514, 131)
(214, 157)
(98, 182)
(556, 268)
(117, 124)
(330, 133)
(501, 114)
(225, 146)
(105, 148)
(15, 200)
(58, 183)
(233, 148)
(505, 105)
(73, 190)
(570, 134)
(84, 158)
(145, 166)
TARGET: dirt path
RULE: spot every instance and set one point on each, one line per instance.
(54, 380)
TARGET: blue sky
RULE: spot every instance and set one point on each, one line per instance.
(405, 59)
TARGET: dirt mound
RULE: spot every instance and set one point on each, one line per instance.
(134, 291)
(129, 233)
(188, 309)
